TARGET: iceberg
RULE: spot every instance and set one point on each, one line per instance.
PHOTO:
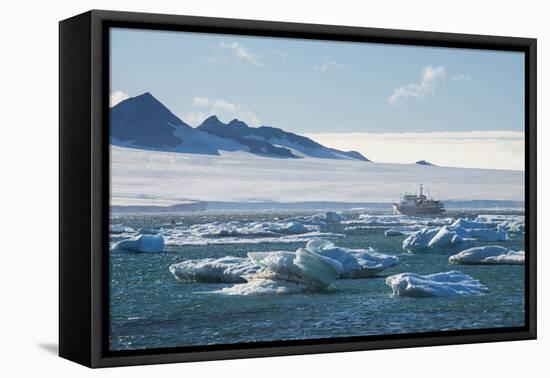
(140, 244)
(227, 269)
(445, 284)
(448, 236)
(356, 263)
(465, 223)
(285, 272)
(262, 287)
(419, 240)
(303, 267)
(492, 255)
(452, 236)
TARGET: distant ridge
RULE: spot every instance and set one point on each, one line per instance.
(144, 122)
(424, 162)
(265, 135)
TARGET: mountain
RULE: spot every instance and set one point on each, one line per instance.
(424, 162)
(237, 130)
(144, 122)
(297, 144)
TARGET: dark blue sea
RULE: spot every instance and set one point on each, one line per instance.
(149, 308)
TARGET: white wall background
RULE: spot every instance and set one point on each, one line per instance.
(29, 188)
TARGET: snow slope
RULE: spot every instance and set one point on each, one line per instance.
(171, 177)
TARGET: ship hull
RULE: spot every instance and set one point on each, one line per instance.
(414, 210)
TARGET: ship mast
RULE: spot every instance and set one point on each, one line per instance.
(421, 189)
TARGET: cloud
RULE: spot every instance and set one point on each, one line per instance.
(204, 107)
(427, 86)
(462, 77)
(496, 149)
(116, 97)
(237, 51)
(328, 65)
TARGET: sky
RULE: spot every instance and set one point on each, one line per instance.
(393, 103)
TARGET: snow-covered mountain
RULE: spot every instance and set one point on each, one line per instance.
(299, 145)
(144, 122)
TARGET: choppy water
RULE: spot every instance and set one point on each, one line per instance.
(150, 309)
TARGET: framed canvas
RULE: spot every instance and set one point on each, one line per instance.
(236, 188)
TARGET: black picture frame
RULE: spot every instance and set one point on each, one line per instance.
(84, 186)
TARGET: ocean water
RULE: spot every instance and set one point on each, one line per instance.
(149, 308)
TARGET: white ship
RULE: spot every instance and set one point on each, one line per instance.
(413, 204)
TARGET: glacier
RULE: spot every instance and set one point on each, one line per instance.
(445, 284)
(172, 178)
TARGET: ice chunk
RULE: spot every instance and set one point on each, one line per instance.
(148, 231)
(333, 216)
(262, 287)
(445, 284)
(452, 237)
(304, 267)
(488, 235)
(356, 263)
(419, 240)
(488, 255)
(243, 233)
(320, 219)
(140, 244)
(465, 223)
(226, 269)
(448, 236)
(120, 229)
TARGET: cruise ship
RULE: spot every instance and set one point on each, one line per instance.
(413, 204)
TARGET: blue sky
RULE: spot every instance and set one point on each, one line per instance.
(319, 87)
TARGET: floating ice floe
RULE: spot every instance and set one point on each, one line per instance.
(466, 223)
(351, 263)
(140, 244)
(453, 236)
(320, 219)
(419, 240)
(243, 233)
(286, 272)
(308, 269)
(512, 223)
(120, 229)
(492, 255)
(356, 263)
(445, 284)
(263, 286)
(227, 269)
(402, 230)
(384, 221)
